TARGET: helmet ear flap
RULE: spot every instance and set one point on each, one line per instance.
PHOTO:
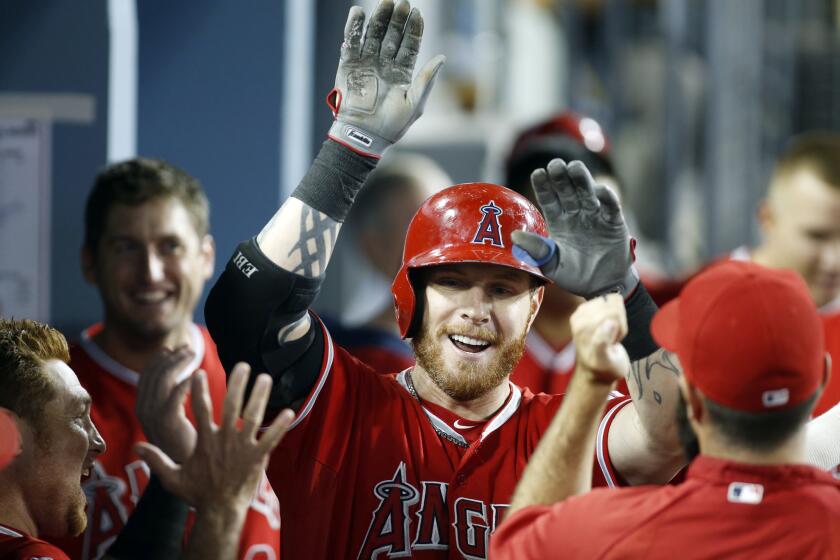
(418, 287)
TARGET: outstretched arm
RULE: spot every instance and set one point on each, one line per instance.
(258, 310)
(561, 466)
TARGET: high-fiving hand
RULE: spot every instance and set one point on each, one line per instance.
(375, 100)
(228, 460)
(590, 251)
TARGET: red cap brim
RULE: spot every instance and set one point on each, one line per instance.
(9, 439)
(665, 325)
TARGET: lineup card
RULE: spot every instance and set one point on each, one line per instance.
(24, 218)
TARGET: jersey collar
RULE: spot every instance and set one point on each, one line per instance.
(128, 375)
(503, 415)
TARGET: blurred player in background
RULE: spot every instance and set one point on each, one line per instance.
(800, 230)
(148, 251)
(750, 347)
(369, 255)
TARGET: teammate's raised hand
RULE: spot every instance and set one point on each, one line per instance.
(590, 251)
(161, 393)
(598, 326)
(228, 460)
(375, 99)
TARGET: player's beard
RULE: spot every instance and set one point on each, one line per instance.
(77, 516)
(470, 380)
(688, 439)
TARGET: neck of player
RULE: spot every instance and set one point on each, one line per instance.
(480, 408)
(133, 351)
(13, 511)
(791, 452)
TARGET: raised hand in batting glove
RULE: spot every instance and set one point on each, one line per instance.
(375, 100)
(590, 251)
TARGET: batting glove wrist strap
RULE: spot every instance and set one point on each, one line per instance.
(334, 179)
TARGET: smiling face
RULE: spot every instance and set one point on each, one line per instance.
(475, 319)
(57, 454)
(801, 229)
(150, 267)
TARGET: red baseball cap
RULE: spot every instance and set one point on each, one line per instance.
(749, 337)
(9, 439)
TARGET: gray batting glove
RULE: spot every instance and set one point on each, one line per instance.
(375, 100)
(590, 251)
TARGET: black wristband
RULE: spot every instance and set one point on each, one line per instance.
(155, 528)
(334, 179)
(640, 309)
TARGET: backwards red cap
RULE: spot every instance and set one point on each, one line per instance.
(747, 336)
(9, 439)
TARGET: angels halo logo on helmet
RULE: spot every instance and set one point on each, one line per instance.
(466, 223)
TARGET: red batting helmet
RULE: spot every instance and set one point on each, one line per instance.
(468, 223)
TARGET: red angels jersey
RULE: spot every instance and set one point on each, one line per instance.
(119, 476)
(369, 471)
(544, 370)
(15, 545)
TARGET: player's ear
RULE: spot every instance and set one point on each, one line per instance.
(536, 301)
(827, 372)
(87, 261)
(695, 406)
(208, 254)
(764, 216)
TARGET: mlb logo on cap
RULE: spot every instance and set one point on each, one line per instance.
(771, 399)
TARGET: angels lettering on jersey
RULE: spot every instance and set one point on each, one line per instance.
(410, 518)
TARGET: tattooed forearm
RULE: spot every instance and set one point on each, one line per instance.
(640, 372)
(311, 253)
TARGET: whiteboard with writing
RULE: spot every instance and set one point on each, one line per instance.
(25, 218)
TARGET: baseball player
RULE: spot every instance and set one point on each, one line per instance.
(40, 491)
(148, 252)
(750, 344)
(424, 463)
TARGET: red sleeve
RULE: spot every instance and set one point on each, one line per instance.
(604, 473)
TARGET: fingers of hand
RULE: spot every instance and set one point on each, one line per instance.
(410, 45)
(592, 314)
(201, 405)
(160, 463)
(254, 411)
(393, 37)
(274, 434)
(351, 48)
(584, 185)
(609, 203)
(237, 382)
(562, 186)
(425, 80)
(546, 197)
(377, 27)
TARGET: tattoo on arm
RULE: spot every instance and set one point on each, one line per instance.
(317, 237)
(640, 371)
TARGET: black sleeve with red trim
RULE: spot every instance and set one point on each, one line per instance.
(250, 303)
